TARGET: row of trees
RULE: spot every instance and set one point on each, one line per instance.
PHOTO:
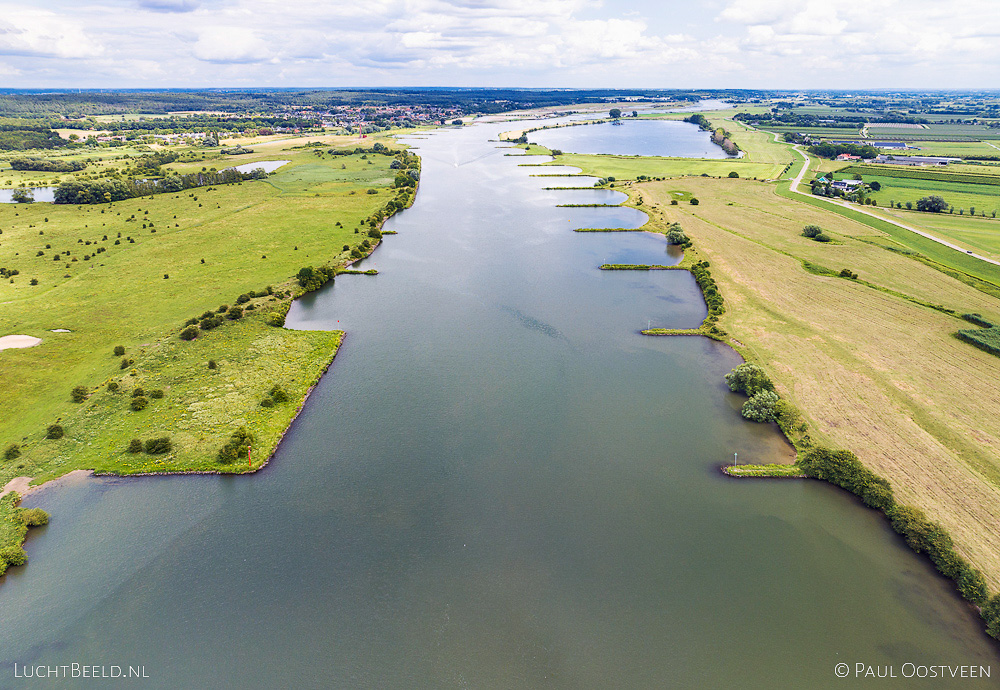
(46, 165)
(826, 149)
(108, 190)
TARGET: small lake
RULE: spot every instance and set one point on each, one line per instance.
(266, 166)
(632, 138)
(41, 194)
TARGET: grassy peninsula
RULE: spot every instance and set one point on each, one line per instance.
(160, 317)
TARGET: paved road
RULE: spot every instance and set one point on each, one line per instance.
(860, 209)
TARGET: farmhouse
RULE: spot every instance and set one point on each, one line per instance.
(846, 185)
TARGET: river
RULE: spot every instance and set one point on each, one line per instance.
(499, 483)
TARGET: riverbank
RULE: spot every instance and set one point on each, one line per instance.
(873, 370)
(772, 272)
(151, 393)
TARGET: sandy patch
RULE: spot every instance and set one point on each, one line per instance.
(18, 341)
(21, 484)
(18, 484)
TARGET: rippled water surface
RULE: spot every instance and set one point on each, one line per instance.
(499, 483)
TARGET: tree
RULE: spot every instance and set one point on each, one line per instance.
(615, 113)
(734, 174)
(749, 378)
(22, 196)
(875, 186)
(760, 407)
(933, 204)
(811, 231)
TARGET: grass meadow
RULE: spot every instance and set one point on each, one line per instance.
(131, 273)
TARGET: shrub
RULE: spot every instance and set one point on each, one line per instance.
(842, 467)
(673, 202)
(212, 364)
(375, 234)
(972, 585)
(734, 174)
(33, 517)
(134, 446)
(223, 308)
(694, 202)
(79, 394)
(276, 319)
(760, 407)
(243, 299)
(139, 404)
(278, 394)
(159, 446)
(847, 273)
(267, 402)
(126, 363)
(13, 555)
(189, 333)
(210, 323)
(137, 392)
(822, 237)
(54, 431)
(749, 378)
(236, 447)
(113, 386)
(13, 452)
(156, 393)
(119, 350)
(811, 231)
(234, 313)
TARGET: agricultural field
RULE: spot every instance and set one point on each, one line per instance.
(982, 197)
(956, 149)
(833, 133)
(981, 235)
(872, 363)
(131, 273)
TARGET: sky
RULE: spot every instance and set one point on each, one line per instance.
(773, 44)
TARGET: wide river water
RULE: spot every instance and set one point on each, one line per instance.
(499, 484)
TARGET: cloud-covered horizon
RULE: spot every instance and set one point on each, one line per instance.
(531, 43)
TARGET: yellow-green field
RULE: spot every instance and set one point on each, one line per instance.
(872, 369)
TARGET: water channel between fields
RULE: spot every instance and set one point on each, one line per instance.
(499, 483)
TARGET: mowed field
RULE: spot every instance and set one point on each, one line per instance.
(165, 259)
(871, 369)
(981, 235)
